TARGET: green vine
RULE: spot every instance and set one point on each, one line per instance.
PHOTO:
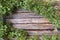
(7, 7)
(18, 34)
(54, 37)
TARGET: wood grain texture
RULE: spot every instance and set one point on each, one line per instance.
(34, 26)
(29, 20)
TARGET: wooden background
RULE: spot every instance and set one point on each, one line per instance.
(33, 23)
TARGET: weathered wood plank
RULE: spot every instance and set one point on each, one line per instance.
(32, 23)
(42, 32)
(29, 20)
(34, 26)
(24, 15)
